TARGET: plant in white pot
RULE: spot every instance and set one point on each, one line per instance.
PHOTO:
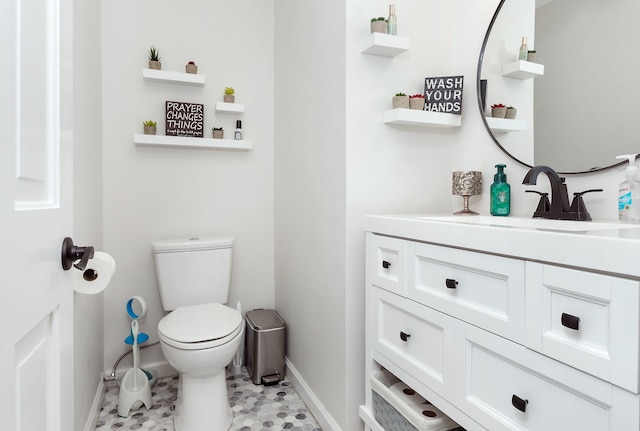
(498, 110)
(191, 67)
(150, 127)
(154, 58)
(378, 25)
(400, 100)
(416, 101)
(510, 113)
(229, 94)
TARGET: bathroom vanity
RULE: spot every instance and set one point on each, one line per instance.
(507, 323)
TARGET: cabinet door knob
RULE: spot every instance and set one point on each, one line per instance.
(404, 336)
(571, 322)
(519, 403)
(451, 283)
(386, 264)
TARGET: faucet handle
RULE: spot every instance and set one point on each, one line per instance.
(544, 206)
(578, 207)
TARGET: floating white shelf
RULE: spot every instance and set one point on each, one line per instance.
(188, 142)
(386, 45)
(230, 108)
(169, 77)
(522, 70)
(506, 125)
(416, 117)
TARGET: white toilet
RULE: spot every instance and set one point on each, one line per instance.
(201, 335)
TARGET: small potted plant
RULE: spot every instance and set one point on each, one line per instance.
(498, 110)
(378, 25)
(229, 94)
(531, 55)
(218, 133)
(510, 112)
(191, 67)
(150, 127)
(154, 58)
(416, 101)
(400, 100)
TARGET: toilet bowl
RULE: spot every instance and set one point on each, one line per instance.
(199, 341)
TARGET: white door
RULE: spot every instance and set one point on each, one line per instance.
(36, 295)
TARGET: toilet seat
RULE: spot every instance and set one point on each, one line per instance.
(201, 326)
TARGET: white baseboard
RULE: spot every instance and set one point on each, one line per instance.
(325, 420)
(94, 414)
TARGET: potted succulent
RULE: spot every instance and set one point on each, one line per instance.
(191, 67)
(416, 101)
(498, 110)
(218, 133)
(154, 58)
(531, 55)
(378, 25)
(150, 127)
(510, 113)
(400, 100)
(229, 94)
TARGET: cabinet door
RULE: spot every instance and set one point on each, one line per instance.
(386, 263)
(482, 289)
(416, 338)
(586, 320)
(505, 386)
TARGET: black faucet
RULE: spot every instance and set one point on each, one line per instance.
(559, 207)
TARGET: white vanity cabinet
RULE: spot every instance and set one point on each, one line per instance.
(500, 342)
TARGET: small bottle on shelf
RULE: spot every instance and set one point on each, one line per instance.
(392, 20)
(523, 49)
(237, 135)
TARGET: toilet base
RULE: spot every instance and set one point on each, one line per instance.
(202, 403)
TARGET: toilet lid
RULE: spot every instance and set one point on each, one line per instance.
(200, 323)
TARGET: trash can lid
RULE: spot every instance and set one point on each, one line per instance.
(264, 319)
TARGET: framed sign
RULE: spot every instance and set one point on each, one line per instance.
(184, 119)
(443, 94)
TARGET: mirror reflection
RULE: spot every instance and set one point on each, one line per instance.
(581, 112)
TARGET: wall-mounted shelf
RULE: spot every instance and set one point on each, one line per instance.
(417, 117)
(230, 108)
(522, 70)
(187, 142)
(386, 45)
(169, 77)
(506, 125)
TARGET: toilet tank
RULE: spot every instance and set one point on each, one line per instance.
(193, 271)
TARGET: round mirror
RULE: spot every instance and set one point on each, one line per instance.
(579, 113)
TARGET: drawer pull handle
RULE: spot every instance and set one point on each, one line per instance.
(519, 403)
(404, 336)
(571, 322)
(451, 283)
(386, 264)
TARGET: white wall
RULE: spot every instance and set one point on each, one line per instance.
(87, 214)
(159, 193)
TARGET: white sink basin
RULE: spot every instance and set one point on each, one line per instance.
(530, 223)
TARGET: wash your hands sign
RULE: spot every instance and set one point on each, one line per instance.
(443, 94)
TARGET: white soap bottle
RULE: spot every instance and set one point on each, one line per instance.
(629, 192)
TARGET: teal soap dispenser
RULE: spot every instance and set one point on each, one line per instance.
(500, 193)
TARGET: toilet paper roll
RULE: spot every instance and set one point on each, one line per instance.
(96, 276)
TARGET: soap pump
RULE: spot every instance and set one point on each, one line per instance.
(500, 193)
(629, 192)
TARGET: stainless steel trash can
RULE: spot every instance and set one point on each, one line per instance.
(265, 346)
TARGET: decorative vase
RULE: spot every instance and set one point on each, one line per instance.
(218, 134)
(229, 98)
(155, 65)
(498, 112)
(510, 113)
(149, 130)
(191, 68)
(416, 103)
(400, 102)
(378, 27)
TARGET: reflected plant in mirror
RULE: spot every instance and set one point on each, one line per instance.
(582, 111)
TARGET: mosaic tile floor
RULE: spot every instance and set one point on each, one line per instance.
(262, 408)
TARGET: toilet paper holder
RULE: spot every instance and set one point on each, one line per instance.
(70, 253)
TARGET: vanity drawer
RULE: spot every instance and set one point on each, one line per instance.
(587, 320)
(386, 263)
(505, 386)
(416, 338)
(482, 289)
